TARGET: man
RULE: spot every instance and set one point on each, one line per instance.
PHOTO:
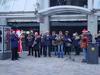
(89, 35)
(68, 42)
(84, 41)
(97, 38)
(42, 41)
(54, 42)
(30, 40)
(14, 45)
(47, 43)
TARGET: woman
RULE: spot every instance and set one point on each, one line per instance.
(36, 44)
(60, 40)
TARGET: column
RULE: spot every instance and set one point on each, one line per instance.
(45, 25)
(93, 24)
(90, 4)
(3, 21)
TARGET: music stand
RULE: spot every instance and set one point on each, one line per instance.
(70, 57)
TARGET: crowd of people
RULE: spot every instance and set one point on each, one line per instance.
(60, 43)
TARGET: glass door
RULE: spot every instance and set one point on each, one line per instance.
(1, 39)
(7, 47)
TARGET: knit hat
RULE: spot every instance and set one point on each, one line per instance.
(84, 30)
(36, 33)
(12, 30)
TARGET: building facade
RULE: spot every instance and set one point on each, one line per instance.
(53, 15)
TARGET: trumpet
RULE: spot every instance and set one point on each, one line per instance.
(97, 35)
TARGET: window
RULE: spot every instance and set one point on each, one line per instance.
(81, 3)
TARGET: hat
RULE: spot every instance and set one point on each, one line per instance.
(84, 30)
(47, 31)
(66, 32)
(17, 29)
(12, 30)
(27, 32)
(36, 33)
(88, 31)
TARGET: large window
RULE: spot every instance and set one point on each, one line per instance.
(17, 5)
(82, 3)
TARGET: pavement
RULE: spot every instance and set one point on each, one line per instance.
(29, 65)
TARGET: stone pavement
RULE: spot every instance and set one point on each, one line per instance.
(29, 65)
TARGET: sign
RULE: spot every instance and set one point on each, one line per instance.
(41, 18)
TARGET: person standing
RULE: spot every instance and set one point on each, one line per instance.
(54, 42)
(36, 44)
(42, 43)
(30, 40)
(60, 39)
(84, 41)
(14, 45)
(76, 45)
(68, 42)
(89, 35)
(47, 47)
(97, 38)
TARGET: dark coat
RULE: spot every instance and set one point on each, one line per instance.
(98, 40)
(47, 40)
(89, 37)
(29, 43)
(53, 37)
(42, 41)
(75, 41)
(67, 39)
(14, 41)
(37, 45)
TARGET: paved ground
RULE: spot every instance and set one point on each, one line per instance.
(29, 65)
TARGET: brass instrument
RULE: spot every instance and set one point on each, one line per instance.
(59, 39)
(97, 35)
(54, 42)
(35, 41)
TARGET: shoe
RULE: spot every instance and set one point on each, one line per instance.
(50, 56)
(62, 57)
(13, 59)
(45, 56)
(16, 59)
(58, 57)
(83, 61)
(19, 57)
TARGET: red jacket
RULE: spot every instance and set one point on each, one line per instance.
(84, 41)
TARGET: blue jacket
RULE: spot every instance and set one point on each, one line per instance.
(90, 37)
(36, 46)
(42, 41)
(67, 39)
(53, 37)
(47, 41)
(98, 40)
(75, 41)
(30, 43)
(14, 41)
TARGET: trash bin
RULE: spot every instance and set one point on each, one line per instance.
(92, 53)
